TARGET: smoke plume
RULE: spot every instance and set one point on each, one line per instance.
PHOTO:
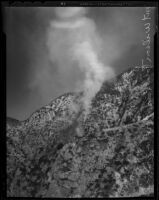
(74, 37)
(43, 61)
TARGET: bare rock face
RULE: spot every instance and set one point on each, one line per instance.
(58, 153)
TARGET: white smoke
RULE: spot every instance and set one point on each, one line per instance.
(73, 41)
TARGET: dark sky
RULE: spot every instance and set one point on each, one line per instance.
(121, 30)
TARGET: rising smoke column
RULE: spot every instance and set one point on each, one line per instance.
(73, 41)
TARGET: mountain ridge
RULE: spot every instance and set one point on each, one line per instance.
(107, 154)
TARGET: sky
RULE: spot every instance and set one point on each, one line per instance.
(51, 51)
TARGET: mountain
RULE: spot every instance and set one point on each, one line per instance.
(57, 152)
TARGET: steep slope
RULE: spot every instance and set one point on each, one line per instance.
(58, 153)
